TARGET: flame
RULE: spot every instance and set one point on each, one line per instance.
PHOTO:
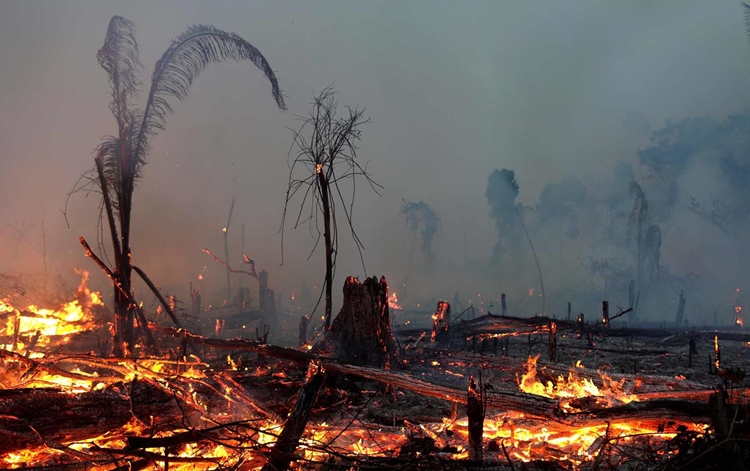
(393, 302)
(39, 325)
(573, 387)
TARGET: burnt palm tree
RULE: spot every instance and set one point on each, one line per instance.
(120, 158)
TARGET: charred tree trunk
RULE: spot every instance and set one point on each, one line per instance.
(283, 450)
(680, 310)
(552, 351)
(328, 239)
(303, 322)
(605, 313)
(441, 320)
(475, 413)
(361, 333)
(502, 303)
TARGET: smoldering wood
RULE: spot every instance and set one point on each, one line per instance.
(552, 344)
(475, 413)
(361, 332)
(74, 417)
(295, 424)
(605, 313)
(441, 321)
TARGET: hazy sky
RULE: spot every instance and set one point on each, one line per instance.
(454, 90)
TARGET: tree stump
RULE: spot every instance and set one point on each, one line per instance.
(441, 320)
(361, 333)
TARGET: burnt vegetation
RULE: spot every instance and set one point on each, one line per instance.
(615, 365)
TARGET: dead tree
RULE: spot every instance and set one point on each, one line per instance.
(324, 158)
(225, 232)
(475, 410)
(120, 158)
(361, 333)
(680, 310)
(552, 350)
(441, 321)
(605, 313)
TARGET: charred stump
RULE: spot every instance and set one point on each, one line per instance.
(441, 320)
(361, 333)
(475, 411)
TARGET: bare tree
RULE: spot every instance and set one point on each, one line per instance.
(324, 153)
(120, 158)
(637, 224)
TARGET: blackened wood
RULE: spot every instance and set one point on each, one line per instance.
(503, 305)
(27, 415)
(303, 322)
(441, 321)
(296, 422)
(552, 346)
(361, 333)
(680, 310)
(605, 313)
(475, 413)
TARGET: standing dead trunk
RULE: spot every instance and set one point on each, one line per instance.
(226, 253)
(502, 303)
(475, 412)
(361, 333)
(303, 322)
(441, 321)
(605, 313)
(680, 310)
(327, 236)
(552, 350)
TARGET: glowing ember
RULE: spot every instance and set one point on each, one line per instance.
(393, 302)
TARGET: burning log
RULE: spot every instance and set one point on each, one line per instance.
(441, 321)
(283, 450)
(605, 313)
(361, 333)
(73, 417)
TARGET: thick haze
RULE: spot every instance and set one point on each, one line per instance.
(454, 90)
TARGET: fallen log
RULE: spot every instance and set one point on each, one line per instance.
(70, 417)
(529, 404)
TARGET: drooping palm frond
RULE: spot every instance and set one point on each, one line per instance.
(187, 56)
(119, 58)
(746, 9)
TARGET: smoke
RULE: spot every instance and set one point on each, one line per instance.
(575, 98)
(501, 194)
(421, 215)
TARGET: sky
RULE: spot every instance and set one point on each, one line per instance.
(454, 90)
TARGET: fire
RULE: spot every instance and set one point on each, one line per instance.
(393, 302)
(35, 326)
(612, 392)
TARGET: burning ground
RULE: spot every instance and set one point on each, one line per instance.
(610, 398)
